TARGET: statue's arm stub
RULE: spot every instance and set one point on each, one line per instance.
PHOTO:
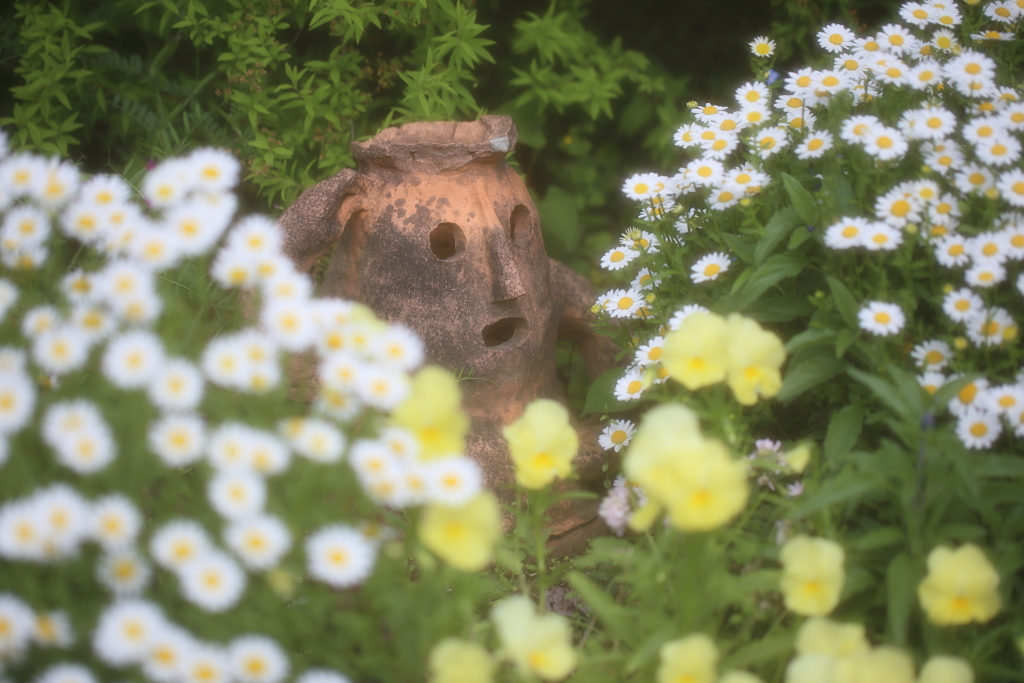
(574, 297)
(317, 218)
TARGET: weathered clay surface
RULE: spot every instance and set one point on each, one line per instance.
(435, 231)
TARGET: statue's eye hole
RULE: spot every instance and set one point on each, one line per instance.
(520, 225)
(447, 240)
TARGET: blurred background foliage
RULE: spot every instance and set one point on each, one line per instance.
(595, 86)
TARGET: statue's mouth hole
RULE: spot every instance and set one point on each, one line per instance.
(499, 332)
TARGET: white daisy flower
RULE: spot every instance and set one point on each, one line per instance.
(917, 13)
(881, 237)
(978, 429)
(268, 455)
(814, 145)
(751, 93)
(82, 440)
(943, 156)
(992, 327)
(930, 122)
(768, 141)
(321, 676)
(123, 572)
(125, 632)
(932, 354)
(962, 305)
(398, 347)
(168, 184)
(985, 274)
(257, 659)
(687, 135)
(623, 303)
(1005, 399)
(60, 350)
(115, 521)
(645, 279)
(259, 541)
(176, 385)
(726, 195)
(315, 439)
(650, 353)
(835, 38)
(709, 267)
(23, 174)
(616, 435)
(885, 143)
(215, 170)
(847, 233)
(22, 533)
(381, 388)
(630, 386)
(205, 663)
(708, 112)
(53, 629)
(213, 581)
(23, 227)
(234, 267)
(683, 313)
(1011, 186)
(177, 440)
(931, 382)
(896, 39)
(452, 481)
(179, 543)
(970, 396)
(237, 494)
(66, 673)
(40, 319)
(881, 318)
(17, 623)
(642, 186)
(951, 251)
(762, 46)
(65, 518)
(133, 359)
(17, 401)
(169, 649)
(339, 556)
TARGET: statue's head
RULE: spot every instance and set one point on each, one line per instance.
(435, 231)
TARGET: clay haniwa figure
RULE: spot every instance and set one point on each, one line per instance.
(437, 232)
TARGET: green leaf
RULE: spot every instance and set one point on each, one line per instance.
(845, 302)
(780, 309)
(888, 394)
(803, 201)
(612, 615)
(843, 431)
(809, 338)
(843, 342)
(901, 594)
(761, 651)
(779, 225)
(601, 395)
(879, 538)
(838, 490)
(810, 373)
(741, 247)
(774, 270)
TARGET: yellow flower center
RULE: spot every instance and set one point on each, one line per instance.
(968, 393)
(712, 269)
(933, 357)
(956, 250)
(634, 387)
(882, 318)
(618, 436)
(624, 303)
(641, 188)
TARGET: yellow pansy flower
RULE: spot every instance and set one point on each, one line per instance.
(691, 477)
(454, 660)
(755, 359)
(539, 645)
(692, 659)
(961, 586)
(433, 413)
(812, 575)
(463, 535)
(542, 443)
(696, 355)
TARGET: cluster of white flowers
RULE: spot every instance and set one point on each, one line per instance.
(954, 116)
(135, 632)
(104, 318)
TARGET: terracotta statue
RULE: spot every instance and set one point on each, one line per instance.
(437, 232)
